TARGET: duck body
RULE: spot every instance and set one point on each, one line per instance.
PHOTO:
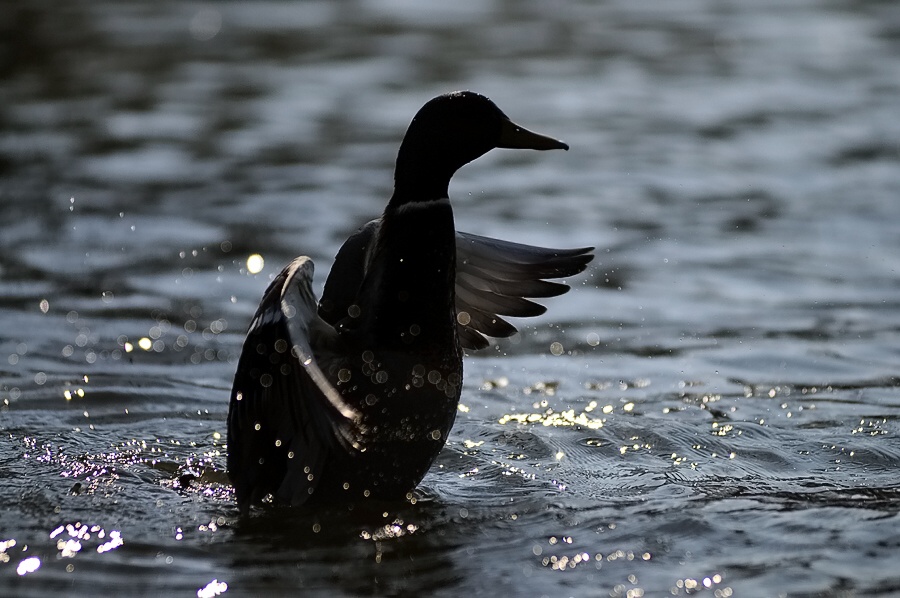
(353, 397)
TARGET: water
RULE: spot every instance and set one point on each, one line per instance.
(713, 409)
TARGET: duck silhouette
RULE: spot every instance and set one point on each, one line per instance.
(353, 397)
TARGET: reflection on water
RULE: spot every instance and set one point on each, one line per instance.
(712, 409)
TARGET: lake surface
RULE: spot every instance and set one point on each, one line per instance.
(713, 409)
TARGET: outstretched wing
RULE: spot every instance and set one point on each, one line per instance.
(285, 417)
(494, 277)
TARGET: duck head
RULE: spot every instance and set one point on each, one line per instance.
(450, 131)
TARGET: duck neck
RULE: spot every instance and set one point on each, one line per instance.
(420, 175)
(415, 190)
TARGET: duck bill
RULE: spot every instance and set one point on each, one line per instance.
(512, 136)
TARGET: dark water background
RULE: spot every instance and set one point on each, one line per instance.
(714, 408)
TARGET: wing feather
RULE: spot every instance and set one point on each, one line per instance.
(495, 277)
(285, 417)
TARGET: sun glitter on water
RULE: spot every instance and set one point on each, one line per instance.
(255, 263)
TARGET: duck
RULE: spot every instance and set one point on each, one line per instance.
(352, 396)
